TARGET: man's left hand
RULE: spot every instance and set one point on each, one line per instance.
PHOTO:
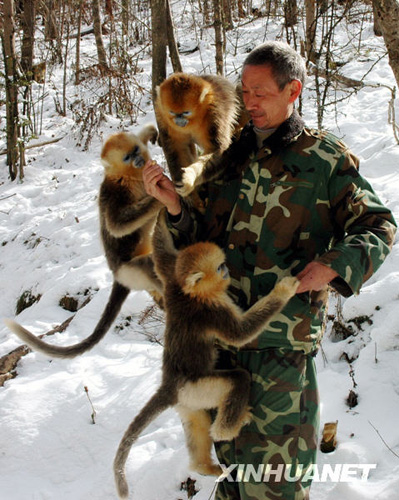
(315, 276)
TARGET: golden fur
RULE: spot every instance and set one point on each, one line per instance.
(127, 218)
(193, 111)
(199, 311)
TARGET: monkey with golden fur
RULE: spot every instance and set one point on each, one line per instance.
(199, 311)
(196, 110)
(127, 218)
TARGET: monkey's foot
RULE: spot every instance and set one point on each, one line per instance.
(223, 432)
(187, 184)
(158, 298)
(287, 287)
(210, 469)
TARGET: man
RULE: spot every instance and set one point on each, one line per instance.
(290, 202)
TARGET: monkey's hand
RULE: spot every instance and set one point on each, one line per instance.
(187, 184)
(286, 288)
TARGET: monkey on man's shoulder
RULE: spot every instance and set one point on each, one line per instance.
(196, 110)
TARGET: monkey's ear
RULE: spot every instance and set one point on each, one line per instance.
(193, 279)
(204, 93)
(148, 133)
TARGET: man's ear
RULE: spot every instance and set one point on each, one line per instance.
(295, 87)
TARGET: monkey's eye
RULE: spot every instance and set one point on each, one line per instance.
(187, 113)
(129, 157)
(223, 270)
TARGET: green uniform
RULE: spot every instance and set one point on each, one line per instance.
(296, 199)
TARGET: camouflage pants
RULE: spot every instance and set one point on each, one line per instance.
(284, 401)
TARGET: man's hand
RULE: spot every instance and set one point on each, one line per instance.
(161, 187)
(315, 276)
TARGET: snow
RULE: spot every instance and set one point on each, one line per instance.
(49, 446)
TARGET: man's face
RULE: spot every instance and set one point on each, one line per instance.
(267, 105)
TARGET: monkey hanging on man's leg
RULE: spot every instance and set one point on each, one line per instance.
(127, 218)
(199, 311)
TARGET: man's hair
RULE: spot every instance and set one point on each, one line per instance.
(285, 62)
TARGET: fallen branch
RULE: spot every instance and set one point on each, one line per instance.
(8, 362)
(335, 76)
(383, 440)
(6, 197)
(37, 145)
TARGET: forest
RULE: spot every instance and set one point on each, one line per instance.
(38, 37)
(72, 72)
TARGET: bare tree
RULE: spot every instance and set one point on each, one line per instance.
(227, 15)
(125, 6)
(290, 13)
(159, 35)
(77, 48)
(11, 84)
(162, 35)
(28, 17)
(310, 13)
(217, 21)
(174, 53)
(387, 12)
(102, 57)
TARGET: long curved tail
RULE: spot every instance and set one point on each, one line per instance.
(155, 406)
(114, 304)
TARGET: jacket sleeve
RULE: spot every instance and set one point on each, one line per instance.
(184, 227)
(364, 228)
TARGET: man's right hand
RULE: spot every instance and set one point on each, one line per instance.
(159, 186)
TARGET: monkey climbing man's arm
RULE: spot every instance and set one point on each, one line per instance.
(205, 169)
(164, 251)
(124, 219)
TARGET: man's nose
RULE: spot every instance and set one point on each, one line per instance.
(251, 102)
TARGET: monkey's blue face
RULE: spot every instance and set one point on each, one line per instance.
(180, 119)
(135, 158)
(223, 271)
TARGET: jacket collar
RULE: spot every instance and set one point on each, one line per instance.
(241, 150)
(286, 133)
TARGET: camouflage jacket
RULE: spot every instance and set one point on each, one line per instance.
(298, 198)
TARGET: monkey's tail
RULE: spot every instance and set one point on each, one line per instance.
(155, 406)
(114, 304)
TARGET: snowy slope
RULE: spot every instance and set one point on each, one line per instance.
(49, 447)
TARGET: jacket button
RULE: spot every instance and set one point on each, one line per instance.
(231, 246)
(241, 196)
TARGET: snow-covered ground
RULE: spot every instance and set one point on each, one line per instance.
(49, 447)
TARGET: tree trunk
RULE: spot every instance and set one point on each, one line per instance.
(28, 38)
(387, 12)
(50, 29)
(11, 83)
(310, 9)
(204, 8)
(77, 59)
(240, 7)
(159, 37)
(102, 57)
(290, 13)
(173, 52)
(109, 8)
(227, 15)
(376, 26)
(217, 16)
(125, 6)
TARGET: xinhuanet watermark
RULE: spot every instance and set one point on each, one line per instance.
(343, 473)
